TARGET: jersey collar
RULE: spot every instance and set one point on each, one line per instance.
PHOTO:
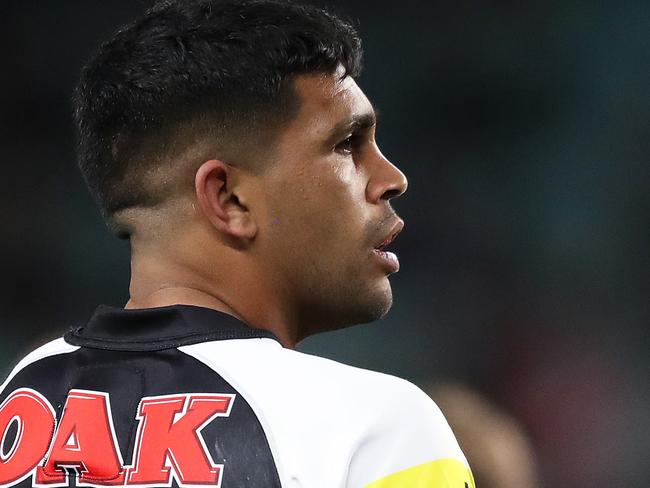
(156, 329)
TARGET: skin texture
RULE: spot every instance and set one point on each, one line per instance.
(289, 249)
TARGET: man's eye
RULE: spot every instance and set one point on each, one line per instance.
(347, 145)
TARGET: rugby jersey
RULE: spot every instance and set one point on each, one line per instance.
(189, 396)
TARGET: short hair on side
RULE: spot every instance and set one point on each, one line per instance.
(196, 70)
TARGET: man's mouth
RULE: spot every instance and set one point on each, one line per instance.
(392, 234)
(389, 259)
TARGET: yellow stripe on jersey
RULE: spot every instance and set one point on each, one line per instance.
(444, 473)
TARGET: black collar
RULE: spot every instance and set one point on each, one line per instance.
(155, 329)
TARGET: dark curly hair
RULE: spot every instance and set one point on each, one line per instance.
(196, 70)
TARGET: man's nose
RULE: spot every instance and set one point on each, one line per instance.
(386, 181)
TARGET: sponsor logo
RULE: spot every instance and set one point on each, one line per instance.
(168, 443)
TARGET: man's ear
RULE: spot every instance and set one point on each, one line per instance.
(217, 194)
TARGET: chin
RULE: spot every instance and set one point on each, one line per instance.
(373, 304)
(381, 306)
(347, 306)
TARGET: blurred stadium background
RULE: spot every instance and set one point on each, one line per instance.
(524, 128)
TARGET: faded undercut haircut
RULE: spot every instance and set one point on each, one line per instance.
(196, 73)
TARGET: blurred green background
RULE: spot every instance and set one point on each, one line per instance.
(524, 129)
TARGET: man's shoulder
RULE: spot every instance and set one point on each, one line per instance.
(326, 397)
(368, 424)
(266, 361)
(385, 393)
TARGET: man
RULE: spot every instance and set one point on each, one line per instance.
(229, 142)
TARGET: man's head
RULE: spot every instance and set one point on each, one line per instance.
(190, 73)
(231, 137)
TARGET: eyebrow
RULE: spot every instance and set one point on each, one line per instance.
(357, 122)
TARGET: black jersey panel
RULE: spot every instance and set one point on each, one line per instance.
(237, 441)
(159, 328)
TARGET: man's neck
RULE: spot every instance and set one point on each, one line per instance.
(176, 295)
(153, 285)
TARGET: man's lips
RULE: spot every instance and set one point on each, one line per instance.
(389, 259)
(392, 234)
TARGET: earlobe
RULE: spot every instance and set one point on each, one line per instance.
(217, 191)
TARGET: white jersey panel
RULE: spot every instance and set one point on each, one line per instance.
(331, 425)
(57, 346)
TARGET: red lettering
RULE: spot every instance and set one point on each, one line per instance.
(85, 441)
(34, 418)
(169, 440)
